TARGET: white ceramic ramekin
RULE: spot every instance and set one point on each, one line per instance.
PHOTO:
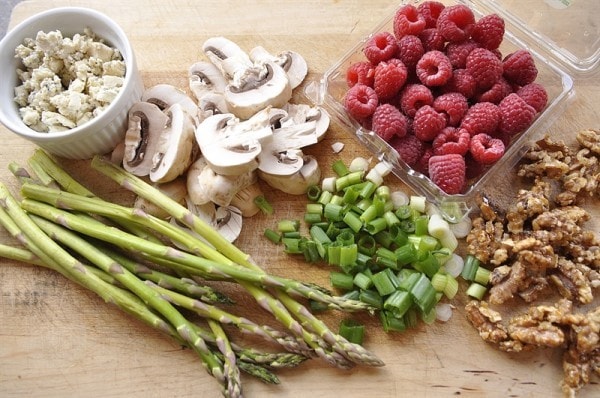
(101, 134)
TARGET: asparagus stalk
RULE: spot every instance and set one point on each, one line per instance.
(139, 288)
(230, 367)
(66, 200)
(20, 226)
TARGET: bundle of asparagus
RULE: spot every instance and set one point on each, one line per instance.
(154, 270)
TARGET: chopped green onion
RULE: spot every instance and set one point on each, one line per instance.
(348, 255)
(423, 293)
(340, 280)
(384, 239)
(399, 237)
(439, 281)
(368, 189)
(314, 208)
(319, 235)
(334, 251)
(421, 223)
(398, 302)
(363, 281)
(313, 192)
(263, 204)
(364, 204)
(349, 179)
(371, 297)
(345, 238)
(476, 291)
(292, 234)
(310, 250)
(451, 287)
(429, 265)
(430, 316)
(386, 282)
(404, 212)
(376, 225)
(383, 192)
(470, 268)
(288, 225)
(367, 245)
(406, 254)
(353, 221)
(390, 218)
(384, 262)
(370, 213)
(291, 245)
(351, 195)
(482, 276)
(272, 235)
(312, 218)
(325, 197)
(340, 168)
(418, 203)
(352, 331)
(333, 212)
(392, 323)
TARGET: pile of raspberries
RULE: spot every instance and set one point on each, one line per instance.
(440, 92)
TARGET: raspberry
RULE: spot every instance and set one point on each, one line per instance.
(448, 172)
(461, 82)
(409, 147)
(381, 47)
(410, 50)
(422, 165)
(484, 66)
(489, 31)
(361, 101)
(535, 95)
(516, 115)
(496, 93)
(388, 122)
(360, 72)
(453, 105)
(408, 21)
(414, 96)
(482, 117)
(519, 68)
(457, 53)
(456, 23)
(430, 10)
(486, 149)
(427, 123)
(451, 140)
(389, 79)
(434, 68)
(432, 40)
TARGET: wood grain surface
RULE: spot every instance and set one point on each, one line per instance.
(59, 340)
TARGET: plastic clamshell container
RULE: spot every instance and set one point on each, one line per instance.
(330, 91)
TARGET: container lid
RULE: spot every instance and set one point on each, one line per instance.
(575, 44)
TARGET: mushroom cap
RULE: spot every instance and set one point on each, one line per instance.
(175, 148)
(226, 55)
(231, 146)
(146, 123)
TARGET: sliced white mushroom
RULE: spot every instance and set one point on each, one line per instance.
(145, 125)
(297, 183)
(251, 86)
(211, 104)
(293, 64)
(204, 185)
(165, 95)
(175, 189)
(244, 199)
(231, 146)
(300, 113)
(174, 151)
(204, 78)
(229, 222)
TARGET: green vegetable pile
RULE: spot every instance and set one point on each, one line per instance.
(392, 256)
(154, 271)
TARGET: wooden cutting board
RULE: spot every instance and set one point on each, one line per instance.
(58, 340)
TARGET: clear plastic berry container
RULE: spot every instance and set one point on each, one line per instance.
(555, 72)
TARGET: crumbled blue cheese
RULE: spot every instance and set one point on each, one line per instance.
(66, 81)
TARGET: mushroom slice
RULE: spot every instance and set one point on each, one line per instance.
(299, 113)
(174, 150)
(204, 185)
(212, 104)
(257, 89)
(229, 222)
(165, 95)
(231, 146)
(251, 86)
(227, 56)
(205, 78)
(293, 64)
(145, 125)
(175, 189)
(297, 183)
